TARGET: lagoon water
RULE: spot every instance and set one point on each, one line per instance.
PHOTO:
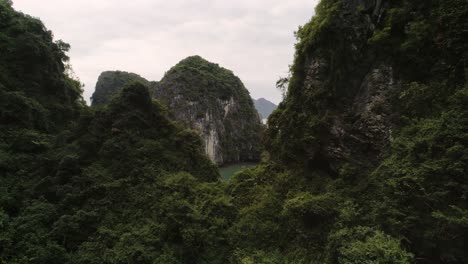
(229, 170)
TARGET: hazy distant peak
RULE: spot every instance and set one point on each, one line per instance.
(264, 107)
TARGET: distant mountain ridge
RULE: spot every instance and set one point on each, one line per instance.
(264, 107)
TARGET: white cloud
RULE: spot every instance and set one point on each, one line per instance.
(252, 38)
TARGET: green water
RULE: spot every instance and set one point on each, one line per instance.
(228, 171)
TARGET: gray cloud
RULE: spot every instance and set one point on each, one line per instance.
(252, 38)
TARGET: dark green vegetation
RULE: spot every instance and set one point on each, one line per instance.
(117, 184)
(264, 107)
(366, 158)
(110, 83)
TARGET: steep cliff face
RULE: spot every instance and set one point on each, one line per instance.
(110, 83)
(339, 98)
(353, 65)
(213, 101)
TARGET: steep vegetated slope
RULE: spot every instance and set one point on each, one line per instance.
(369, 148)
(213, 101)
(127, 186)
(110, 83)
(116, 184)
(37, 100)
(35, 92)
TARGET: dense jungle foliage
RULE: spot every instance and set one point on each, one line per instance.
(118, 184)
(123, 183)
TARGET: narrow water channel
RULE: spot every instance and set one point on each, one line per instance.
(229, 170)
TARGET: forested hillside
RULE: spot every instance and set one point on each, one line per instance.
(365, 159)
(118, 184)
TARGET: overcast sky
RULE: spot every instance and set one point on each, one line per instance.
(253, 38)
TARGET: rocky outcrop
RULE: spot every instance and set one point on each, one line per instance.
(343, 93)
(110, 83)
(214, 102)
(360, 131)
(204, 97)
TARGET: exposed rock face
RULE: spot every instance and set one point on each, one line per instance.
(351, 105)
(363, 127)
(213, 101)
(204, 97)
(110, 83)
